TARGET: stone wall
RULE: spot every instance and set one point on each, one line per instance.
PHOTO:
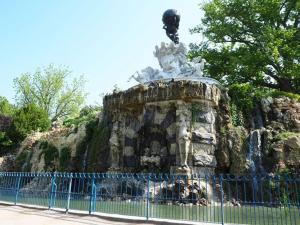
(164, 126)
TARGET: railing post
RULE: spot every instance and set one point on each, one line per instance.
(222, 198)
(92, 195)
(53, 190)
(17, 187)
(69, 192)
(148, 198)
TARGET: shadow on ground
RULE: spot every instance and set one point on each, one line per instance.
(22, 215)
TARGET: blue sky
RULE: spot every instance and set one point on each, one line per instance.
(105, 40)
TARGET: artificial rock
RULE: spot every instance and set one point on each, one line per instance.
(164, 127)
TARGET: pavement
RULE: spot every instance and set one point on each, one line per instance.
(23, 215)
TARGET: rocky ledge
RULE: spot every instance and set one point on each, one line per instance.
(163, 91)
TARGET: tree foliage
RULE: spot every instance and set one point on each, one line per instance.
(5, 140)
(30, 118)
(252, 41)
(50, 89)
(16, 124)
(6, 108)
(6, 121)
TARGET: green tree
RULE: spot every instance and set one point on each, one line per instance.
(6, 121)
(50, 89)
(29, 118)
(6, 108)
(251, 41)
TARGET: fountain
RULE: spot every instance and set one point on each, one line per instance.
(166, 123)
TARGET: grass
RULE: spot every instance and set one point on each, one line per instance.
(259, 215)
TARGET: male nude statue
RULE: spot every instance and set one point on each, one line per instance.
(184, 141)
(114, 147)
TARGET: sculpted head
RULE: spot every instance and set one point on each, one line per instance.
(182, 121)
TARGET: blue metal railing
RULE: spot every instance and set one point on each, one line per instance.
(261, 200)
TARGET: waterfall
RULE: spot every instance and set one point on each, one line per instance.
(254, 155)
(254, 159)
(84, 162)
(255, 151)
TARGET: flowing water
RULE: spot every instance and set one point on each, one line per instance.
(84, 162)
(254, 154)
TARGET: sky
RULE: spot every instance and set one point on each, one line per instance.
(105, 40)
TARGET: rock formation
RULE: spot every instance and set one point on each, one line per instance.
(271, 143)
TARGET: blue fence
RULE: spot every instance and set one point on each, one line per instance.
(220, 199)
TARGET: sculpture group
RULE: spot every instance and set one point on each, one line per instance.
(174, 65)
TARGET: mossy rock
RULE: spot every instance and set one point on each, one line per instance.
(286, 135)
(99, 149)
(95, 146)
(22, 162)
(64, 159)
(51, 154)
(238, 139)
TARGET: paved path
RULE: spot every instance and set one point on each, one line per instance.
(19, 215)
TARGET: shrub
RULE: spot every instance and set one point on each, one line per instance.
(236, 115)
(6, 140)
(30, 118)
(87, 114)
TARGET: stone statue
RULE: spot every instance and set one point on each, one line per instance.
(114, 147)
(171, 19)
(174, 64)
(184, 141)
